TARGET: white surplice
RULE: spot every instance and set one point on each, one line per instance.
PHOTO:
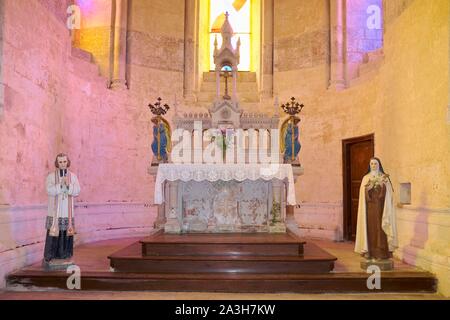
(61, 194)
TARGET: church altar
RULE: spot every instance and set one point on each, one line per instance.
(230, 171)
(216, 198)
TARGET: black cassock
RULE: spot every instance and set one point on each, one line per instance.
(60, 247)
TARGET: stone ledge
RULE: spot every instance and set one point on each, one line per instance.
(15, 259)
(20, 253)
(22, 226)
(13, 208)
(323, 234)
(82, 54)
(321, 204)
(423, 209)
(319, 220)
(439, 217)
(313, 233)
(432, 262)
(2, 96)
(109, 234)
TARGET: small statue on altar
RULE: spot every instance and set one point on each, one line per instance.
(376, 234)
(161, 139)
(290, 145)
(161, 145)
(62, 187)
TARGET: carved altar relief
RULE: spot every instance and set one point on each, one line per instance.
(254, 204)
(226, 206)
(196, 204)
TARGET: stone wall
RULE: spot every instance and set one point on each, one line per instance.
(156, 49)
(301, 34)
(2, 87)
(22, 232)
(302, 70)
(413, 134)
(403, 102)
(56, 100)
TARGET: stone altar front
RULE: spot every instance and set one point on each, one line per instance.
(224, 198)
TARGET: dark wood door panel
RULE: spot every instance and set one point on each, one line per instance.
(356, 153)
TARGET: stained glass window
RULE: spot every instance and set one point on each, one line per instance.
(240, 20)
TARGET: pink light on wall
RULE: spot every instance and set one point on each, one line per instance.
(95, 13)
(364, 28)
(85, 5)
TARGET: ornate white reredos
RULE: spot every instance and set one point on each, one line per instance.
(225, 112)
(226, 55)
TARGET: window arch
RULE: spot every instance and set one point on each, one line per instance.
(364, 22)
(94, 36)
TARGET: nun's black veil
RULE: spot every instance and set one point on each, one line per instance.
(379, 162)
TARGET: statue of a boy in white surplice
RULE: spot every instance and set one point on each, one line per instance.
(62, 187)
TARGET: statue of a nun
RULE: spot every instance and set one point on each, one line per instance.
(376, 233)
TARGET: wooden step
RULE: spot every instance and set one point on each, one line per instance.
(219, 272)
(131, 259)
(349, 282)
(227, 244)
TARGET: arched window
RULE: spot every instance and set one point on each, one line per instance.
(240, 18)
(94, 36)
(364, 33)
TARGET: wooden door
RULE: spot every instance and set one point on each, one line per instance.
(356, 153)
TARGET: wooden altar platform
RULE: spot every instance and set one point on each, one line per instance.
(251, 263)
(259, 253)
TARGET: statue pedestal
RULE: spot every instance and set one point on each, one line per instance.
(384, 265)
(58, 265)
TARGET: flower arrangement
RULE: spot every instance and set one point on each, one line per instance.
(377, 180)
(223, 139)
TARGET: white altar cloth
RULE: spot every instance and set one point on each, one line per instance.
(224, 172)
